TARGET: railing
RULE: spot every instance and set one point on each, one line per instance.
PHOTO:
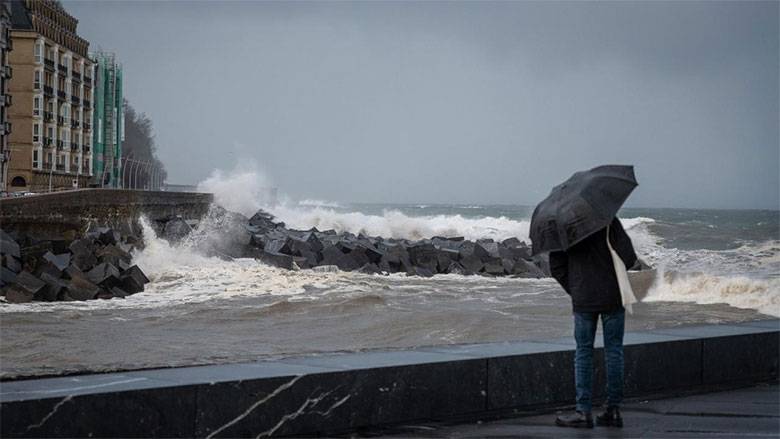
(60, 120)
(49, 63)
(47, 166)
(48, 90)
(62, 68)
(87, 126)
(8, 99)
(47, 116)
(87, 104)
(87, 79)
(60, 144)
(47, 142)
(7, 71)
(76, 76)
(74, 146)
(87, 148)
(75, 100)
(74, 124)
(36, 139)
(61, 94)
(60, 166)
(7, 127)
(37, 86)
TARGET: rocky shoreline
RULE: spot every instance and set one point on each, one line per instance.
(95, 266)
(263, 238)
(98, 265)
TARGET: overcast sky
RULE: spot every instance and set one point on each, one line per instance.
(458, 102)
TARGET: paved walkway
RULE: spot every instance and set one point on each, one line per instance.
(744, 413)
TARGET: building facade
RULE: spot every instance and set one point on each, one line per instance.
(108, 130)
(51, 90)
(5, 98)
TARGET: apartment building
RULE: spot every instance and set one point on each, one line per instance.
(51, 90)
(5, 98)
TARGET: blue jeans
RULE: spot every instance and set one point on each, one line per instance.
(613, 325)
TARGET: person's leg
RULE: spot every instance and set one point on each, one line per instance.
(614, 327)
(584, 334)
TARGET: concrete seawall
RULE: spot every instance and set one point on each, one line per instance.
(332, 394)
(55, 215)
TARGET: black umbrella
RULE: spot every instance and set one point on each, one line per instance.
(580, 206)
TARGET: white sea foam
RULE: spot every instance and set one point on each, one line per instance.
(762, 295)
(395, 224)
(318, 203)
(243, 190)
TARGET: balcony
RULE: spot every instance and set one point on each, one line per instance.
(48, 91)
(36, 139)
(49, 64)
(75, 100)
(7, 71)
(87, 148)
(62, 68)
(47, 116)
(60, 145)
(74, 146)
(61, 95)
(87, 79)
(7, 126)
(61, 167)
(76, 76)
(48, 142)
(36, 112)
(75, 124)
(47, 166)
(87, 104)
(87, 126)
(60, 120)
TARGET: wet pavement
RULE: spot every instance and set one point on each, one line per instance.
(752, 412)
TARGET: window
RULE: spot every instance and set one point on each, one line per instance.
(18, 182)
(48, 158)
(51, 132)
(39, 52)
(37, 80)
(37, 105)
(35, 159)
(36, 133)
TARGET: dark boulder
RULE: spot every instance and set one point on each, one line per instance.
(332, 255)
(133, 280)
(53, 289)
(425, 256)
(369, 268)
(487, 251)
(421, 271)
(60, 261)
(276, 259)
(83, 251)
(79, 287)
(117, 292)
(445, 257)
(7, 276)
(105, 274)
(16, 294)
(113, 254)
(527, 269)
(9, 246)
(175, 230)
(471, 263)
(494, 267)
(283, 245)
(12, 263)
(29, 283)
(456, 268)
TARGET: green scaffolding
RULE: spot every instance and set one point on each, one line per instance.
(108, 121)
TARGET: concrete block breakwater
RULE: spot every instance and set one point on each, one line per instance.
(333, 394)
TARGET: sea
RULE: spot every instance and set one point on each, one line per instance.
(713, 266)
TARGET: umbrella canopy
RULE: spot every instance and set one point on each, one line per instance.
(580, 206)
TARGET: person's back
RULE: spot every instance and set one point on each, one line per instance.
(587, 272)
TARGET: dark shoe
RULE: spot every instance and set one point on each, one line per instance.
(576, 420)
(610, 418)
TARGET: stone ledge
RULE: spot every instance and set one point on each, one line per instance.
(347, 392)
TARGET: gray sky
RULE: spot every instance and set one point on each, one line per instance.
(458, 102)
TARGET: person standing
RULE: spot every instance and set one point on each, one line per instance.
(587, 272)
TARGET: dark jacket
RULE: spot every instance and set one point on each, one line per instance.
(587, 273)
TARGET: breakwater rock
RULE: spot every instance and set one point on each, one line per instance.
(263, 238)
(95, 266)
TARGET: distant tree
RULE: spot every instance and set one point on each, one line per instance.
(139, 151)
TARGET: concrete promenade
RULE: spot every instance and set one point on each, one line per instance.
(752, 412)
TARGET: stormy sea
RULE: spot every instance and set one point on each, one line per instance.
(713, 266)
